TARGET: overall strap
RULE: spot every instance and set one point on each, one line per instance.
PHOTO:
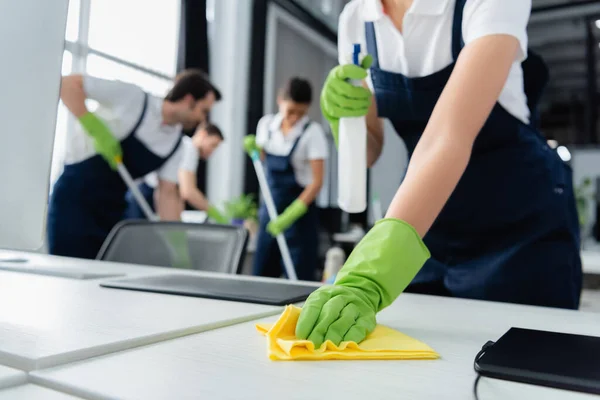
(304, 128)
(142, 115)
(457, 37)
(372, 43)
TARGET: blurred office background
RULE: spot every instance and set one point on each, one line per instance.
(250, 47)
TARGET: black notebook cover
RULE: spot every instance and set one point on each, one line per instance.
(551, 359)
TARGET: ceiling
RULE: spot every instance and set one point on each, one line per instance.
(558, 35)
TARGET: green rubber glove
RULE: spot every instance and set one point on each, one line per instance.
(214, 214)
(340, 98)
(104, 142)
(287, 218)
(250, 145)
(381, 266)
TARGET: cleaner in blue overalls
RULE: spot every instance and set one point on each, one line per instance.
(294, 150)
(486, 209)
(88, 198)
(206, 139)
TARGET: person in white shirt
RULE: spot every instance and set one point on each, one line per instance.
(129, 126)
(201, 145)
(294, 150)
(486, 209)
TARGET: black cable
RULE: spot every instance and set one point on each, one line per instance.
(486, 346)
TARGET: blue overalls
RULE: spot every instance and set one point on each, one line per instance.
(89, 197)
(133, 209)
(301, 237)
(509, 231)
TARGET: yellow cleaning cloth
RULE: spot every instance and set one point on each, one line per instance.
(382, 344)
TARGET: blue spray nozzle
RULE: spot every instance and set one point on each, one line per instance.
(356, 54)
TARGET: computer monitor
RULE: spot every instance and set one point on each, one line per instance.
(32, 46)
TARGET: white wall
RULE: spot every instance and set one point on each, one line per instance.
(229, 67)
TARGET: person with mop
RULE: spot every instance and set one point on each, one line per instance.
(294, 150)
(201, 145)
(486, 209)
(143, 131)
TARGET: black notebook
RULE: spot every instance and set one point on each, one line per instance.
(551, 359)
(248, 291)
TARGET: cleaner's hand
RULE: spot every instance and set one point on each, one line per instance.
(250, 145)
(339, 98)
(104, 142)
(291, 214)
(381, 266)
(214, 214)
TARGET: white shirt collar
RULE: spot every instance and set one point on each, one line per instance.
(373, 9)
(275, 126)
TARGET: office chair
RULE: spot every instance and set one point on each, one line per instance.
(203, 247)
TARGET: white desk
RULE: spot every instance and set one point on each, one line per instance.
(231, 363)
(46, 321)
(11, 377)
(33, 392)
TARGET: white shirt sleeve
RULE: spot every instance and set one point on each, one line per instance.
(494, 17)
(113, 94)
(317, 147)
(168, 171)
(262, 130)
(190, 157)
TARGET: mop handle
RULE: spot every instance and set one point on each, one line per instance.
(126, 176)
(268, 198)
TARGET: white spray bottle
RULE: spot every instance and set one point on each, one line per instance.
(352, 158)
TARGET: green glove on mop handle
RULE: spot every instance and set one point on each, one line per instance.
(254, 152)
(379, 269)
(213, 213)
(104, 141)
(291, 214)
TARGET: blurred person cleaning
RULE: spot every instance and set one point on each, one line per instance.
(293, 149)
(486, 209)
(201, 145)
(129, 125)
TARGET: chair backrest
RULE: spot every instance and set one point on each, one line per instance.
(204, 247)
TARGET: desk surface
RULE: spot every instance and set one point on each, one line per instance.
(231, 363)
(11, 377)
(33, 392)
(46, 321)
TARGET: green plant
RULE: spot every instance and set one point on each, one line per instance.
(242, 207)
(583, 196)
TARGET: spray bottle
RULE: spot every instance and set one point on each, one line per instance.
(352, 158)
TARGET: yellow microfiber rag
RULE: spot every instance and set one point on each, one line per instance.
(382, 344)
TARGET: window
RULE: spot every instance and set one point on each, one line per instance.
(102, 67)
(139, 31)
(134, 41)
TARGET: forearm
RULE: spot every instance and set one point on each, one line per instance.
(196, 199)
(310, 193)
(73, 95)
(432, 175)
(374, 148)
(168, 204)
